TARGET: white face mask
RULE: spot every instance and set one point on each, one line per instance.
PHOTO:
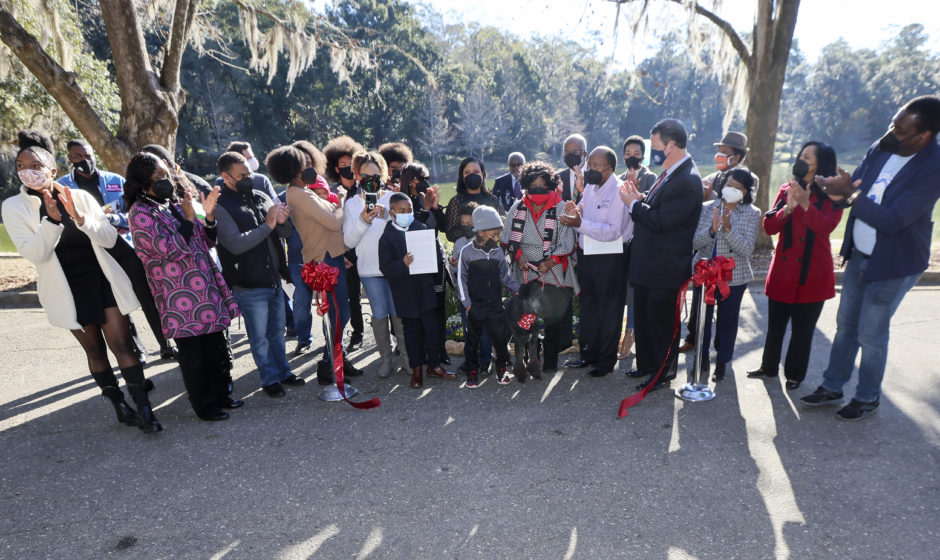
(33, 178)
(731, 195)
(253, 164)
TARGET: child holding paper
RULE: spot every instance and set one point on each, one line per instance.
(481, 273)
(412, 294)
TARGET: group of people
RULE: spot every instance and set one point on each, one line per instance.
(195, 255)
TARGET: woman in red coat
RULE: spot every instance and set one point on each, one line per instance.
(800, 278)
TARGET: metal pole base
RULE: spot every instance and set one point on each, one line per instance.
(695, 393)
(330, 393)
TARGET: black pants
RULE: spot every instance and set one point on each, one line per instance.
(603, 295)
(654, 324)
(494, 319)
(423, 339)
(134, 269)
(557, 325)
(803, 317)
(355, 295)
(202, 362)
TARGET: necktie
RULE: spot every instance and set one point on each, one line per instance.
(656, 185)
(516, 189)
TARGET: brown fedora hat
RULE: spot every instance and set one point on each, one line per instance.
(734, 140)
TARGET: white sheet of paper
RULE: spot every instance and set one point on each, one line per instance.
(595, 247)
(422, 245)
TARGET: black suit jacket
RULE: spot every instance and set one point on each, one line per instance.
(413, 295)
(502, 189)
(664, 226)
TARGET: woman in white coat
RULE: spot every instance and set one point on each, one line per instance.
(65, 234)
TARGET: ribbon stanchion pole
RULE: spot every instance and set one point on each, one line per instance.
(322, 279)
(697, 389)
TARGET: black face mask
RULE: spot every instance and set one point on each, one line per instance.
(889, 143)
(370, 183)
(346, 173)
(244, 185)
(473, 181)
(309, 176)
(572, 160)
(490, 244)
(163, 190)
(633, 162)
(800, 169)
(466, 231)
(422, 186)
(86, 167)
(593, 177)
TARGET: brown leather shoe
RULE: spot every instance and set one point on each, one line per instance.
(417, 378)
(439, 373)
(686, 346)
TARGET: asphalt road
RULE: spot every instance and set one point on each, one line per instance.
(543, 470)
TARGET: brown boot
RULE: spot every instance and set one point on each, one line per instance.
(440, 373)
(417, 378)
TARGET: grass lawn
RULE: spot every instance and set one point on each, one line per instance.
(6, 246)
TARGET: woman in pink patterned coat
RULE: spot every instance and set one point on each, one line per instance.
(195, 304)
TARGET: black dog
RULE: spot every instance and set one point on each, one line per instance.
(522, 312)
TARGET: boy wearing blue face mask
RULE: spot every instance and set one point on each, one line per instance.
(412, 294)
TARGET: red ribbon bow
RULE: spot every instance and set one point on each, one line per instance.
(322, 277)
(714, 273)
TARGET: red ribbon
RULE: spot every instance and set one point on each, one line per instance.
(641, 394)
(714, 273)
(322, 277)
(711, 274)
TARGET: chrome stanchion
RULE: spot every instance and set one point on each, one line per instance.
(330, 392)
(697, 389)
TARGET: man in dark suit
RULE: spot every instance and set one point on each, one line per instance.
(572, 178)
(665, 219)
(886, 248)
(507, 188)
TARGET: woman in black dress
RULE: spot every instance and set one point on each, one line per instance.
(65, 234)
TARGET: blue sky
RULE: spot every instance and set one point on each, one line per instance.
(867, 23)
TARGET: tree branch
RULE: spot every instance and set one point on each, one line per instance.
(183, 17)
(726, 27)
(60, 84)
(135, 76)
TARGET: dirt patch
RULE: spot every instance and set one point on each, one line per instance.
(17, 275)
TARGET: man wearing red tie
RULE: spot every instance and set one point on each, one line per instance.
(664, 221)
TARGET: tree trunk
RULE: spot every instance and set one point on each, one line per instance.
(149, 106)
(772, 38)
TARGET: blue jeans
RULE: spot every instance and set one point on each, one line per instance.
(263, 310)
(864, 317)
(380, 296)
(303, 298)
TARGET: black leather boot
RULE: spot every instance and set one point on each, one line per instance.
(125, 414)
(325, 373)
(146, 420)
(137, 387)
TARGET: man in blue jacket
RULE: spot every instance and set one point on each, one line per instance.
(886, 249)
